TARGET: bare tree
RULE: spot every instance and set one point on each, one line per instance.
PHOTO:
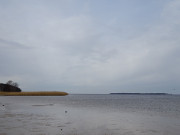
(10, 82)
(15, 84)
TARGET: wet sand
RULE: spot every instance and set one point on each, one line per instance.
(19, 116)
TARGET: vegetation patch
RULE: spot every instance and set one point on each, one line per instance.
(12, 89)
(43, 93)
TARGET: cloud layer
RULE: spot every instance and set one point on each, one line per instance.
(91, 47)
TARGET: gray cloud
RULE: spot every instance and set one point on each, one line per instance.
(45, 46)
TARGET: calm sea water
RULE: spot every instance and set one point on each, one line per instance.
(163, 104)
(91, 115)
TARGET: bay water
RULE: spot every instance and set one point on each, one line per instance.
(90, 115)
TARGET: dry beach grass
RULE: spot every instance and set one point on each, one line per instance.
(41, 93)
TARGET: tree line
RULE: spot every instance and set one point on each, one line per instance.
(10, 86)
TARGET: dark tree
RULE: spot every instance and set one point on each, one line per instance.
(10, 86)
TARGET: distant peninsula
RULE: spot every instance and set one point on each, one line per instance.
(12, 89)
(140, 93)
(35, 93)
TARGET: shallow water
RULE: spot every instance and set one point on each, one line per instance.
(90, 115)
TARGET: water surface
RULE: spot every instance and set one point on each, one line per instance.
(91, 115)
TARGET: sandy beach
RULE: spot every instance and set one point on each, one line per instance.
(46, 116)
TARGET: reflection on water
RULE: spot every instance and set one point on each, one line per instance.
(90, 115)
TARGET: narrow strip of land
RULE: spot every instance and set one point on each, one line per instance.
(140, 93)
(53, 93)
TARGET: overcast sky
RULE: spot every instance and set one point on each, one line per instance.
(91, 46)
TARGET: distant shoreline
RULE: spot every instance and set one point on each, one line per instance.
(41, 93)
(139, 93)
